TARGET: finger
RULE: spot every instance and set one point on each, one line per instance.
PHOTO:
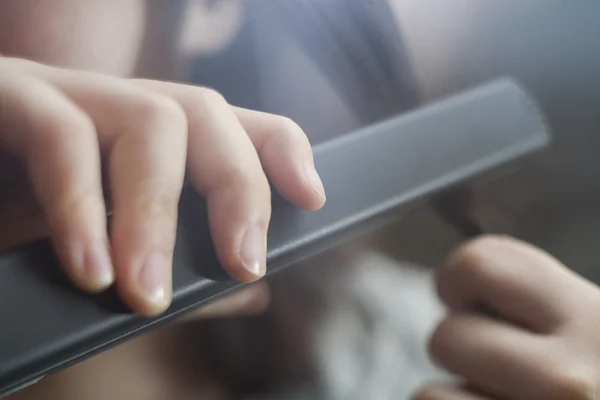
(249, 301)
(58, 143)
(515, 280)
(224, 166)
(447, 393)
(147, 168)
(506, 361)
(222, 161)
(286, 156)
(145, 137)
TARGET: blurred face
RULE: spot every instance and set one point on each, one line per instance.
(100, 35)
(209, 25)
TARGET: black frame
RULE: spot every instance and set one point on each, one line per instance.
(371, 176)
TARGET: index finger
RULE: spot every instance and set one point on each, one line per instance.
(286, 156)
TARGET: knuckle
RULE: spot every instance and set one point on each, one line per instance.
(200, 99)
(65, 208)
(160, 110)
(160, 213)
(154, 207)
(209, 96)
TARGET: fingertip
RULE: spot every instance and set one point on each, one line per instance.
(315, 203)
(240, 273)
(147, 305)
(249, 262)
(145, 283)
(151, 307)
(239, 219)
(89, 267)
(98, 267)
(154, 285)
(90, 285)
(94, 286)
(154, 307)
(299, 183)
(253, 252)
(153, 281)
(314, 182)
(150, 310)
(288, 161)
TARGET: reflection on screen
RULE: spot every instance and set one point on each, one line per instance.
(332, 65)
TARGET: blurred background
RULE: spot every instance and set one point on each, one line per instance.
(337, 65)
(352, 323)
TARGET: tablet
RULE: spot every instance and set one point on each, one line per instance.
(371, 176)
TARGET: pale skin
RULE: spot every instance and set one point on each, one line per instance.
(64, 123)
(541, 343)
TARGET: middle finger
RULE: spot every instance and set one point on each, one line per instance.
(224, 165)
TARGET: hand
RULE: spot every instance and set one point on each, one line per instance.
(543, 341)
(65, 128)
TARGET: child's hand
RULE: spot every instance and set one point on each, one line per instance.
(70, 130)
(543, 344)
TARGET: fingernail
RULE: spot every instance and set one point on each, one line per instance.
(153, 278)
(313, 179)
(254, 251)
(98, 265)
